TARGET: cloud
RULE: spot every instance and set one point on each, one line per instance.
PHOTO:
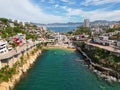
(26, 11)
(56, 5)
(99, 14)
(103, 15)
(64, 7)
(68, 1)
(74, 12)
(99, 2)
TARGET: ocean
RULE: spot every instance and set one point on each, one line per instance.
(62, 28)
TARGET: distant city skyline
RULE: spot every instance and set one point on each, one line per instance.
(60, 11)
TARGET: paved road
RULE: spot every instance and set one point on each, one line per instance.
(16, 50)
(109, 48)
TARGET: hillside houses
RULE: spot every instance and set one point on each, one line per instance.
(108, 39)
(19, 39)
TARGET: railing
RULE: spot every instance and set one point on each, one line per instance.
(17, 51)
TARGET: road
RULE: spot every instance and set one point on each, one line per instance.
(108, 48)
(16, 50)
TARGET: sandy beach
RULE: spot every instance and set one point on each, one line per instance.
(60, 47)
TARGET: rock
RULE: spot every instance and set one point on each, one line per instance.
(113, 79)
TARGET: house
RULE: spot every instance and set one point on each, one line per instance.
(11, 24)
(118, 43)
(103, 37)
(81, 37)
(19, 39)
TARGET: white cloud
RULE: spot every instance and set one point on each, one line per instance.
(68, 1)
(26, 11)
(99, 2)
(64, 7)
(99, 14)
(103, 15)
(56, 5)
(74, 12)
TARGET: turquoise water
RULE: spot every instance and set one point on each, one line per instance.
(58, 69)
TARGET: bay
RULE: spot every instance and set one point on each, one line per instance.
(58, 69)
(62, 28)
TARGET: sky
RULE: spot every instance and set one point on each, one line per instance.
(60, 11)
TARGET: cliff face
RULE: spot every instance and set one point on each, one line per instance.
(20, 72)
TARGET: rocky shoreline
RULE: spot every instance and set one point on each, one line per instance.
(105, 73)
(20, 72)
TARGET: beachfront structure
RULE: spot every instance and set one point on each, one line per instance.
(3, 46)
(59, 39)
(86, 23)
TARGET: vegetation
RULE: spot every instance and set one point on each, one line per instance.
(13, 45)
(39, 46)
(4, 20)
(8, 31)
(6, 73)
(80, 30)
(101, 56)
(110, 30)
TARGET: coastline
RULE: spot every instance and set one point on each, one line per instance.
(20, 71)
(24, 68)
(102, 72)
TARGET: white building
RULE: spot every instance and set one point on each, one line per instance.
(3, 46)
(45, 28)
(86, 23)
(118, 43)
(11, 24)
(103, 38)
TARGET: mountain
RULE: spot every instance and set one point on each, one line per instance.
(78, 23)
(103, 22)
